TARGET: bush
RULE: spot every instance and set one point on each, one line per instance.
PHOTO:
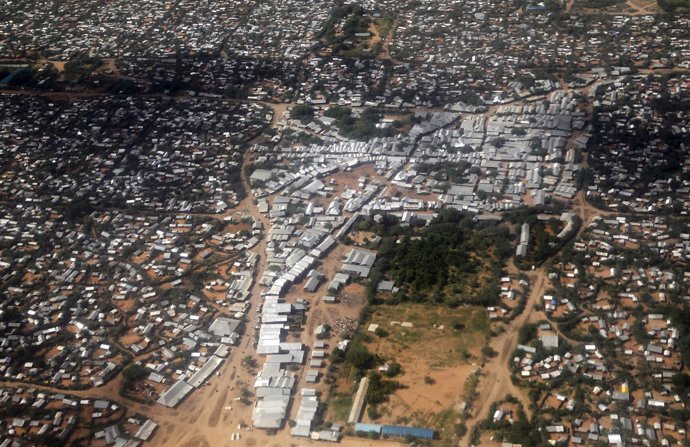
(373, 412)
(488, 351)
(135, 372)
(498, 142)
(675, 6)
(527, 333)
(458, 325)
(249, 362)
(303, 113)
(359, 357)
(381, 332)
(380, 389)
(394, 369)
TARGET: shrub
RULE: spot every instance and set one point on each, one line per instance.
(488, 351)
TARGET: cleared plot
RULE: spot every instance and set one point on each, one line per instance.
(438, 349)
(440, 337)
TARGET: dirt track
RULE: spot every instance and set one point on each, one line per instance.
(495, 379)
(210, 415)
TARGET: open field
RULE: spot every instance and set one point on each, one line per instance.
(438, 348)
(433, 326)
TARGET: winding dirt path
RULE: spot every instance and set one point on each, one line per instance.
(385, 52)
(495, 381)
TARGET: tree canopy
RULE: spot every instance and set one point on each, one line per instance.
(454, 260)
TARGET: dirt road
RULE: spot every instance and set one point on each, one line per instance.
(586, 211)
(211, 414)
(495, 378)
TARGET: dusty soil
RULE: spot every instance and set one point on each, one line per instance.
(361, 237)
(446, 367)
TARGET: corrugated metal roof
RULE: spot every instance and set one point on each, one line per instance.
(396, 430)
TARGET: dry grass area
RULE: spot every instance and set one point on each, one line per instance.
(433, 340)
(396, 191)
(438, 354)
(487, 439)
(362, 237)
(375, 36)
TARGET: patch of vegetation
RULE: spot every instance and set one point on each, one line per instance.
(527, 333)
(302, 112)
(394, 369)
(134, 372)
(455, 260)
(360, 128)
(431, 324)
(380, 388)
(358, 22)
(544, 242)
(81, 65)
(457, 172)
(597, 4)
(354, 20)
(675, 6)
(249, 362)
(359, 357)
(498, 142)
(340, 406)
(488, 351)
(77, 209)
(384, 24)
(521, 431)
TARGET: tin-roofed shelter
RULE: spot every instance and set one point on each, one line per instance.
(403, 432)
(173, 395)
